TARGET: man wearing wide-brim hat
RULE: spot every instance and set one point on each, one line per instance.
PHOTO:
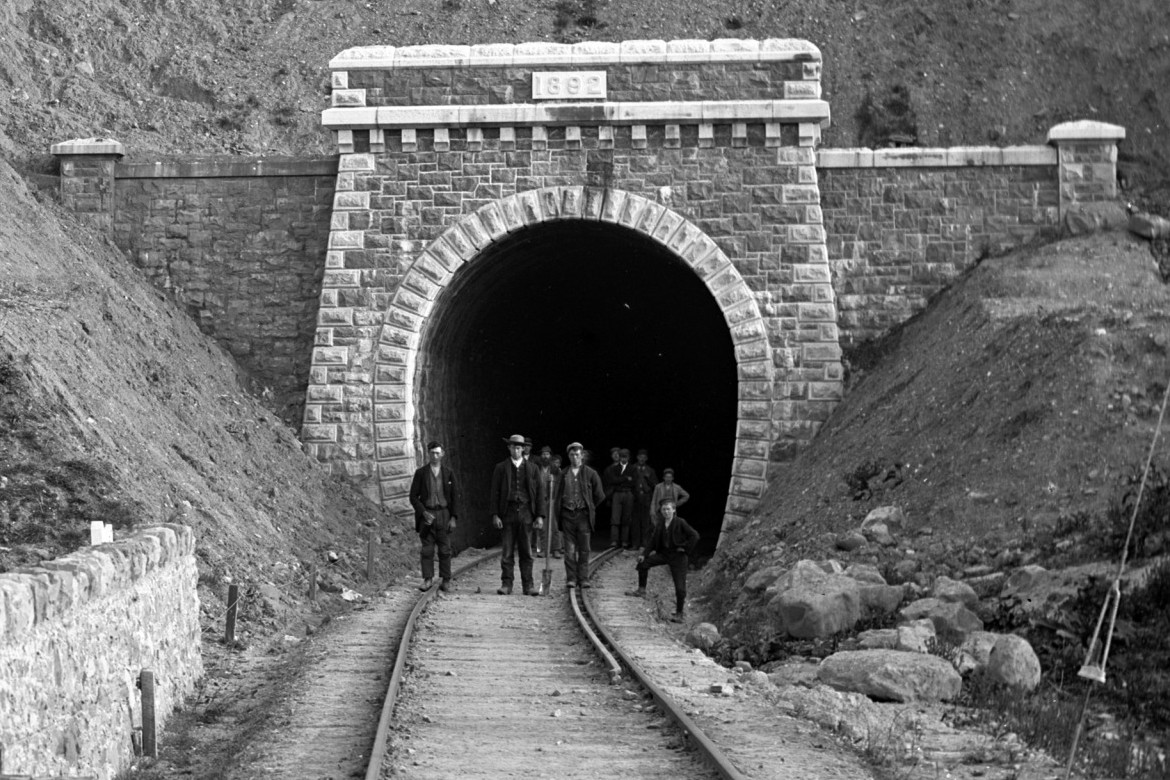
(517, 502)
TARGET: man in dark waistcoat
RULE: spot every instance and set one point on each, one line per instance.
(433, 494)
(517, 503)
(577, 492)
(671, 542)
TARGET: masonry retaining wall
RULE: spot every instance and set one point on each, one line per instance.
(76, 632)
(240, 244)
(902, 224)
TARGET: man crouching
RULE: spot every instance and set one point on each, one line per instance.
(671, 542)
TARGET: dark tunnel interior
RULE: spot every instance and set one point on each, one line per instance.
(581, 331)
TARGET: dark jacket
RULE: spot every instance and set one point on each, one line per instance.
(537, 495)
(420, 493)
(614, 480)
(590, 487)
(668, 542)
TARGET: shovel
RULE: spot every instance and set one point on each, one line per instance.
(546, 575)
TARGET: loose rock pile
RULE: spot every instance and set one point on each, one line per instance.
(938, 638)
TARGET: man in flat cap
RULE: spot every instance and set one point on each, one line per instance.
(517, 502)
(577, 492)
(433, 494)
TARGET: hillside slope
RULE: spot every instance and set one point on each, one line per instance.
(116, 407)
(250, 76)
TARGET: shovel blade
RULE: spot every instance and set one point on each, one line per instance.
(545, 582)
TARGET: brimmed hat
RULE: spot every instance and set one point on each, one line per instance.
(527, 442)
(575, 446)
(515, 438)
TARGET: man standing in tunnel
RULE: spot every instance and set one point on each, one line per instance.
(577, 492)
(517, 502)
(433, 494)
(645, 478)
(619, 487)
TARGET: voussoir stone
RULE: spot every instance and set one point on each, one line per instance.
(1013, 663)
(891, 675)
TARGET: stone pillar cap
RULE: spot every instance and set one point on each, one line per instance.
(1085, 130)
(89, 146)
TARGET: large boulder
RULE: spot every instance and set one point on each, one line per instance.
(946, 589)
(880, 599)
(975, 652)
(762, 579)
(814, 608)
(891, 675)
(703, 636)
(952, 621)
(915, 636)
(1013, 663)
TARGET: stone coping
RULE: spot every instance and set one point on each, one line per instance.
(33, 595)
(227, 168)
(88, 146)
(609, 113)
(945, 157)
(496, 55)
(1085, 130)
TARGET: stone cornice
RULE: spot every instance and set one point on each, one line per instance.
(587, 114)
(923, 157)
(586, 53)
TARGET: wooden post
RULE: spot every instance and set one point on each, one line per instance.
(370, 556)
(229, 634)
(146, 683)
(313, 583)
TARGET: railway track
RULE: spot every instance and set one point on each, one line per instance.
(508, 686)
(491, 686)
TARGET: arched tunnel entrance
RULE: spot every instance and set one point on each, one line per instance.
(586, 331)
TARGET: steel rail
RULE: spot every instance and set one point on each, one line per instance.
(374, 769)
(714, 756)
(615, 669)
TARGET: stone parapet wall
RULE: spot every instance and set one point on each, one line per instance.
(239, 243)
(76, 632)
(902, 224)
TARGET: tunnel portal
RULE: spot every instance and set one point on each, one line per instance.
(581, 331)
(617, 243)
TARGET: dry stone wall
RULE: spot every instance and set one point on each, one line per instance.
(76, 632)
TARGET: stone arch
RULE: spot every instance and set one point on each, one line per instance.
(407, 317)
